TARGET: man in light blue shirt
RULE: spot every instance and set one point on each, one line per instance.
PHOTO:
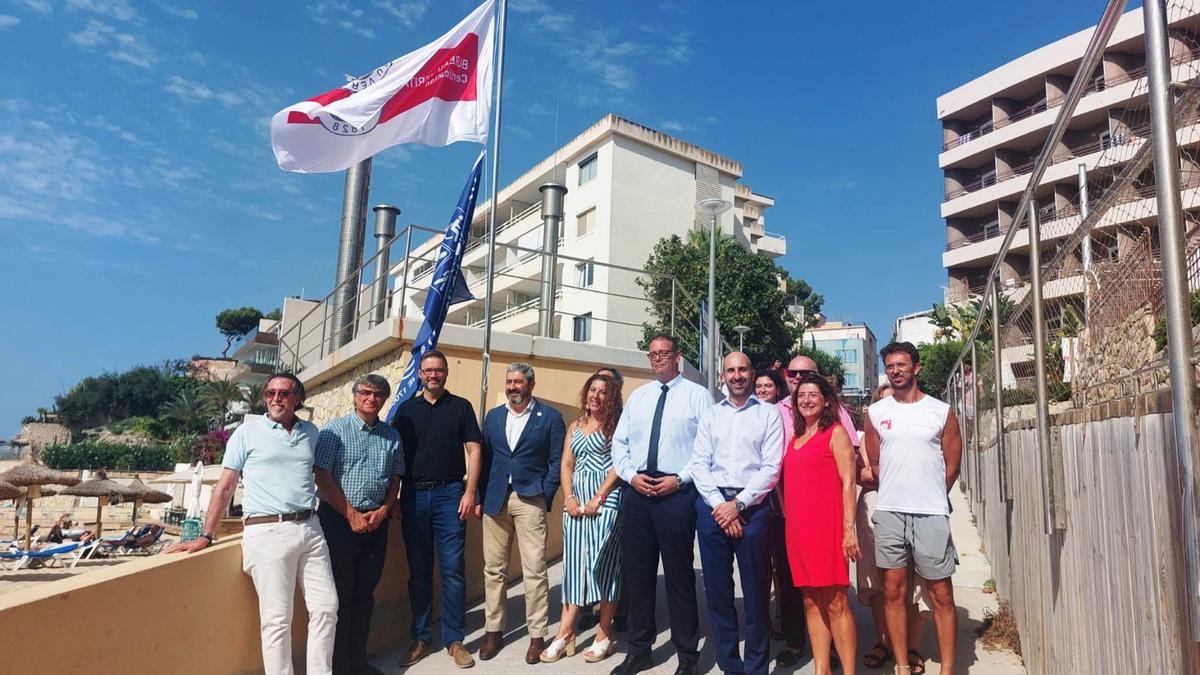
(283, 544)
(651, 449)
(735, 465)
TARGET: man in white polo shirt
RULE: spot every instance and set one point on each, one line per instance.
(282, 544)
(914, 447)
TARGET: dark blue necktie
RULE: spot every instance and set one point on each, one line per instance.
(655, 429)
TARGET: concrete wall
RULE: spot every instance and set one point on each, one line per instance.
(198, 613)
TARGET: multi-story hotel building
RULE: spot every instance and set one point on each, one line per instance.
(994, 126)
(628, 186)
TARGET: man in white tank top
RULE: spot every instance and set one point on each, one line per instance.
(913, 443)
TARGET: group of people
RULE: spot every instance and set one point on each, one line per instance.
(774, 476)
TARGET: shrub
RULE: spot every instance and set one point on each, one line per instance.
(28, 419)
(96, 455)
(1160, 328)
(139, 426)
(209, 448)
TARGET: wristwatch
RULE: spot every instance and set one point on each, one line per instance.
(741, 505)
(211, 539)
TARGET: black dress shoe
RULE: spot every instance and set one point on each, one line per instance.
(686, 667)
(633, 663)
(787, 657)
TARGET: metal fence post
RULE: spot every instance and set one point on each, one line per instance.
(997, 361)
(1171, 233)
(1039, 367)
(407, 271)
(973, 400)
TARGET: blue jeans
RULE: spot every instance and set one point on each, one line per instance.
(429, 518)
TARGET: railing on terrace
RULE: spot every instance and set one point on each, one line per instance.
(307, 340)
(1096, 85)
(252, 336)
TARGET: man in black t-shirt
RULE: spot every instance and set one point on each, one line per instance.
(437, 427)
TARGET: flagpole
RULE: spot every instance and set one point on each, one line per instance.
(501, 19)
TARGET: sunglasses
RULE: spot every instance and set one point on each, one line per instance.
(797, 373)
(277, 393)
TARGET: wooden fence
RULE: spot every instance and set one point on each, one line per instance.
(1107, 593)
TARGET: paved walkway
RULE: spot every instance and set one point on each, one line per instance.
(973, 571)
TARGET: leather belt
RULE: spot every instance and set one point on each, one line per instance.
(431, 484)
(298, 516)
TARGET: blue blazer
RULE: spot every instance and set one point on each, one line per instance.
(533, 465)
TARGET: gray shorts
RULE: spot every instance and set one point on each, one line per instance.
(923, 539)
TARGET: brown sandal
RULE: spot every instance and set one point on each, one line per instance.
(916, 662)
(879, 655)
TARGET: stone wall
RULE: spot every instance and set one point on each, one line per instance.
(1119, 349)
(38, 436)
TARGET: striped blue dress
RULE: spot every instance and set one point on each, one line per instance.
(591, 546)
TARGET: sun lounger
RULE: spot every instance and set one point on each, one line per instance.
(53, 556)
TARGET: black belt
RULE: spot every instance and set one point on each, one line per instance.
(731, 492)
(298, 516)
(431, 484)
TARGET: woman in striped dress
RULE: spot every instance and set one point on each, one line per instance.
(591, 535)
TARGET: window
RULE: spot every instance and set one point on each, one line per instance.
(587, 169)
(989, 178)
(991, 229)
(584, 274)
(1106, 140)
(847, 355)
(852, 380)
(585, 222)
(583, 328)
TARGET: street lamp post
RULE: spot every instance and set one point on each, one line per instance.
(741, 331)
(713, 207)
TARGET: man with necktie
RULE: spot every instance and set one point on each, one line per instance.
(651, 450)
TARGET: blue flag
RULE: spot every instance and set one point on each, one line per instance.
(447, 287)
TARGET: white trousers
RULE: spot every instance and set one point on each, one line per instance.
(278, 556)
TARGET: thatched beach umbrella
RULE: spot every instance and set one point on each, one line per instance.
(22, 494)
(103, 489)
(144, 494)
(9, 491)
(33, 476)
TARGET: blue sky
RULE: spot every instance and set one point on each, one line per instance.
(139, 196)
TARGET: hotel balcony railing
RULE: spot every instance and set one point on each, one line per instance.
(1188, 180)
(1097, 84)
(426, 269)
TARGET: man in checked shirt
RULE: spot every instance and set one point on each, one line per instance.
(358, 463)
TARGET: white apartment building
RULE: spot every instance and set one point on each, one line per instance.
(855, 345)
(916, 327)
(628, 186)
(994, 126)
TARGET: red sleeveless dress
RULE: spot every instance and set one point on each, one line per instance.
(812, 506)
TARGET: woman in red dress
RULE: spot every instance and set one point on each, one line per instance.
(819, 501)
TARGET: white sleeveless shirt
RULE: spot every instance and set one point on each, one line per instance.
(912, 469)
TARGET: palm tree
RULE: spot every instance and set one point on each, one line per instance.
(252, 394)
(220, 395)
(189, 411)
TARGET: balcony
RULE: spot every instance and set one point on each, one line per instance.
(771, 245)
(1096, 85)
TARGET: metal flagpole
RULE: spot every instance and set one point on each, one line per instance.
(501, 18)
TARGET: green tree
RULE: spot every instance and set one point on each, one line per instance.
(748, 293)
(827, 364)
(253, 396)
(801, 294)
(188, 413)
(220, 395)
(234, 323)
(92, 402)
(274, 315)
(936, 361)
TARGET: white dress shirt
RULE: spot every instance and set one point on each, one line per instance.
(514, 426)
(686, 401)
(738, 447)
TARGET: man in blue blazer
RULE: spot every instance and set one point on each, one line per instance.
(522, 449)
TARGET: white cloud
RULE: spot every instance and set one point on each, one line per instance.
(341, 13)
(39, 6)
(556, 23)
(7, 21)
(674, 126)
(120, 46)
(181, 12)
(407, 11)
(256, 211)
(191, 91)
(120, 10)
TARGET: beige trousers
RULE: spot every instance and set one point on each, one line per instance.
(525, 517)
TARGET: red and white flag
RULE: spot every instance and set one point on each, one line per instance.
(437, 95)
